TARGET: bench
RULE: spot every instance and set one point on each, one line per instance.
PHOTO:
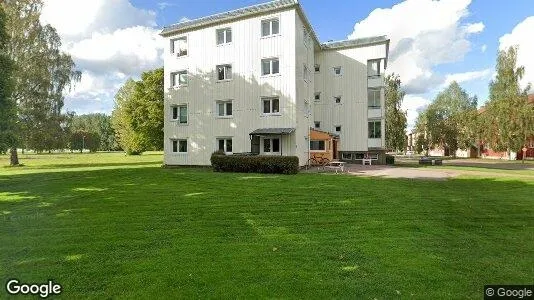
(335, 165)
(430, 161)
(366, 161)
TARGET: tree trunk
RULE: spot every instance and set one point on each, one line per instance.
(14, 161)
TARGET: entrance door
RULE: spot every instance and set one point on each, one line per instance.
(255, 144)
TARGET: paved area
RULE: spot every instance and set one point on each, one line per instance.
(392, 172)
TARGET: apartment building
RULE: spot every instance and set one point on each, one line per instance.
(258, 80)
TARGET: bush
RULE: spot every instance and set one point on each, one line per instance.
(390, 160)
(255, 164)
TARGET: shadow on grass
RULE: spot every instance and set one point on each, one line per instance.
(100, 225)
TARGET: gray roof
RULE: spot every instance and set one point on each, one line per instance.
(225, 16)
(354, 42)
(272, 131)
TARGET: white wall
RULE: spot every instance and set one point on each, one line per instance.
(352, 113)
(245, 89)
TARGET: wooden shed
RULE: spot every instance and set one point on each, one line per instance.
(323, 144)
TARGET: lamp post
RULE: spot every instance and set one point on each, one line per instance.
(83, 143)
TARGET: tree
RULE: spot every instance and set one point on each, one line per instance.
(508, 116)
(396, 120)
(41, 74)
(138, 114)
(422, 142)
(99, 125)
(80, 140)
(448, 117)
(121, 121)
(8, 114)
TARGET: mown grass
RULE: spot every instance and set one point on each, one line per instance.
(122, 227)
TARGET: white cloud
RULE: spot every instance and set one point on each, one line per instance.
(521, 36)
(424, 34)
(109, 41)
(413, 105)
(467, 76)
(483, 48)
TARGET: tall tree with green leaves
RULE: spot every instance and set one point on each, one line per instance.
(138, 114)
(121, 120)
(41, 73)
(100, 126)
(449, 116)
(8, 113)
(396, 120)
(507, 116)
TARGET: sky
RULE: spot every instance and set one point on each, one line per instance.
(432, 42)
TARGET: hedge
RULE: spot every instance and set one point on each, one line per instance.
(255, 164)
(390, 159)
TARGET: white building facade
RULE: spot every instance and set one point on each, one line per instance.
(257, 79)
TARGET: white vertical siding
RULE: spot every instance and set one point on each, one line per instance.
(245, 89)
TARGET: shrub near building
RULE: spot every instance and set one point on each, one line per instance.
(255, 164)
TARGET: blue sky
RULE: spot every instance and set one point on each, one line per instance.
(432, 42)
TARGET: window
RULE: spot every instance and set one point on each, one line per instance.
(224, 36)
(179, 146)
(179, 78)
(317, 68)
(271, 105)
(224, 72)
(338, 128)
(373, 67)
(317, 146)
(179, 46)
(224, 108)
(346, 156)
(224, 144)
(306, 73)
(179, 113)
(317, 124)
(271, 145)
(270, 66)
(270, 27)
(337, 70)
(375, 129)
(317, 96)
(373, 98)
(337, 99)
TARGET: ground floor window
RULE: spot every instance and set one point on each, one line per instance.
(271, 145)
(317, 146)
(224, 144)
(179, 146)
(346, 156)
(375, 129)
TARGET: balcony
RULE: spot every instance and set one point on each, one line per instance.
(375, 81)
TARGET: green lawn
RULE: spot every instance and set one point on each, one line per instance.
(110, 226)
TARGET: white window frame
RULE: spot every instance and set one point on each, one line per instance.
(318, 150)
(227, 72)
(317, 124)
(177, 119)
(271, 108)
(336, 98)
(177, 74)
(225, 107)
(375, 93)
(225, 144)
(346, 156)
(335, 128)
(340, 70)
(317, 96)
(271, 22)
(271, 61)
(178, 141)
(271, 145)
(317, 68)
(373, 135)
(372, 73)
(225, 32)
(180, 52)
